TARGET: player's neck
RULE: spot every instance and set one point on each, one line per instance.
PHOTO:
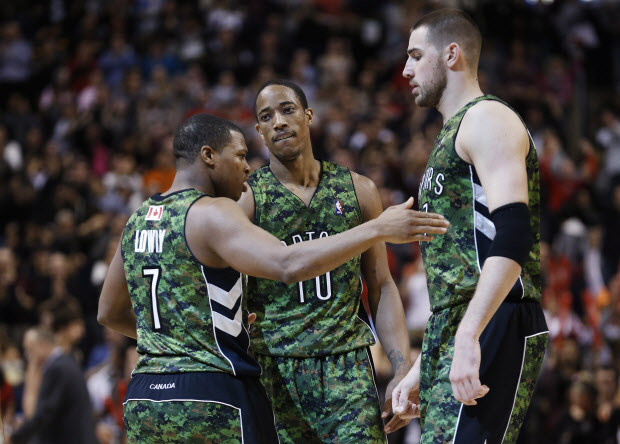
(458, 93)
(303, 171)
(186, 178)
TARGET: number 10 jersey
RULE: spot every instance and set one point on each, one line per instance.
(324, 315)
(189, 316)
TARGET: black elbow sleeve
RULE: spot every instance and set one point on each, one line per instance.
(513, 234)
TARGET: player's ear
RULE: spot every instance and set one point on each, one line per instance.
(207, 155)
(309, 115)
(258, 129)
(453, 54)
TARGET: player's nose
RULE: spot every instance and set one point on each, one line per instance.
(279, 122)
(408, 70)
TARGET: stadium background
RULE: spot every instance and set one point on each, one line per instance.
(91, 91)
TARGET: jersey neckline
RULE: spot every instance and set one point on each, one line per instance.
(160, 196)
(318, 185)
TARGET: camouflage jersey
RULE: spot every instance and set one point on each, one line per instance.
(451, 187)
(189, 316)
(324, 315)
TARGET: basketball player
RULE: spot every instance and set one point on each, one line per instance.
(312, 337)
(484, 343)
(175, 284)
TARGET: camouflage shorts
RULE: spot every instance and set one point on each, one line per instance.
(181, 422)
(512, 347)
(200, 407)
(330, 399)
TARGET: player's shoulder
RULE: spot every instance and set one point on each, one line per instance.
(489, 123)
(491, 115)
(208, 206)
(362, 182)
(365, 189)
(216, 215)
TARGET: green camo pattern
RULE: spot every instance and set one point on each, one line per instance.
(534, 353)
(447, 188)
(324, 400)
(292, 322)
(185, 342)
(439, 408)
(181, 422)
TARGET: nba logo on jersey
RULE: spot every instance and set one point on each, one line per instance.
(339, 209)
(155, 212)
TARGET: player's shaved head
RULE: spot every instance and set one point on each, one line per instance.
(303, 101)
(446, 26)
(201, 130)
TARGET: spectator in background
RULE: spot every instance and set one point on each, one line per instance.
(611, 233)
(607, 411)
(608, 136)
(15, 54)
(579, 423)
(63, 412)
(117, 60)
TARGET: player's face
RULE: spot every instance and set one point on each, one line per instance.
(232, 169)
(425, 70)
(282, 122)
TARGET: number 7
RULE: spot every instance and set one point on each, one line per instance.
(155, 273)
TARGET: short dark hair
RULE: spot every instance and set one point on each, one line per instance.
(453, 25)
(294, 86)
(64, 312)
(200, 130)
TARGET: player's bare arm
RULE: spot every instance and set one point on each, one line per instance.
(383, 296)
(495, 141)
(246, 201)
(219, 233)
(115, 310)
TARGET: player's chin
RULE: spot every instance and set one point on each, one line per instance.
(234, 193)
(242, 189)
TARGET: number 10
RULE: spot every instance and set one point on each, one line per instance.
(317, 285)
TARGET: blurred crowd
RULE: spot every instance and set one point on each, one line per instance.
(90, 95)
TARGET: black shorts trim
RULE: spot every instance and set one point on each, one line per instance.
(246, 394)
(503, 346)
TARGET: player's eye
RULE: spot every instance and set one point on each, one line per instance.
(288, 109)
(264, 117)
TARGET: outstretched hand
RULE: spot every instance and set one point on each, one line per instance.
(400, 224)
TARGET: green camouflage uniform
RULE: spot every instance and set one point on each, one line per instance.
(452, 262)
(311, 337)
(176, 327)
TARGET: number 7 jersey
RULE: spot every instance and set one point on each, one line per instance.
(324, 315)
(189, 317)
